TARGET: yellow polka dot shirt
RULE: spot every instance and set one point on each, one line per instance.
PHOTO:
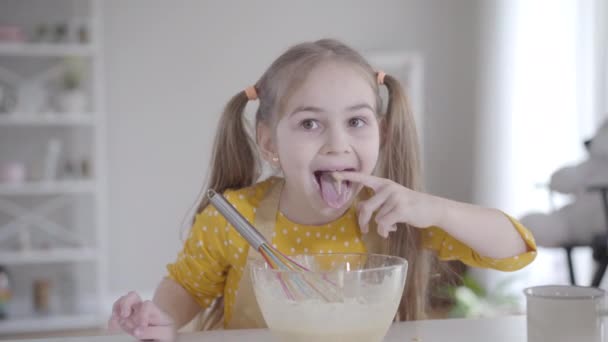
(213, 257)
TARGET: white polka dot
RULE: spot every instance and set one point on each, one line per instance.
(236, 255)
(195, 284)
(320, 251)
(254, 210)
(227, 228)
(204, 228)
(201, 256)
(346, 243)
(329, 251)
(450, 247)
(215, 213)
(293, 250)
(305, 250)
(216, 230)
(284, 231)
(273, 234)
(225, 243)
(240, 250)
(307, 234)
(298, 241)
(357, 240)
(219, 273)
(295, 229)
(333, 263)
(342, 229)
(327, 236)
(318, 235)
(333, 238)
(430, 233)
(207, 301)
(241, 197)
(516, 257)
(274, 245)
(200, 243)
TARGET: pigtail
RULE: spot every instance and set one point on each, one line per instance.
(233, 166)
(400, 163)
(233, 162)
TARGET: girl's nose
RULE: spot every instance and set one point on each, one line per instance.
(336, 141)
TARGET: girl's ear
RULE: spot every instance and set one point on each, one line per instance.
(266, 145)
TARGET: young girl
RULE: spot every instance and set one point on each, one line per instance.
(349, 183)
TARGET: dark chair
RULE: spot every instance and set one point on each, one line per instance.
(599, 245)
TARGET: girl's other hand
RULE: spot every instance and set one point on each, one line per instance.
(141, 319)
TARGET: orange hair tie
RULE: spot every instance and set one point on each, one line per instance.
(380, 76)
(251, 93)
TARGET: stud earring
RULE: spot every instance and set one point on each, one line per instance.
(275, 159)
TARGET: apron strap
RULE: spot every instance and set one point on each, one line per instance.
(266, 213)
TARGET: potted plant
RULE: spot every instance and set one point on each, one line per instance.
(72, 97)
(471, 300)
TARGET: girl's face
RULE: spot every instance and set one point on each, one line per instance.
(329, 124)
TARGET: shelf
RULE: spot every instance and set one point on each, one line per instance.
(56, 119)
(47, 188)
(45, 49)
(55, 255)
(49, 323)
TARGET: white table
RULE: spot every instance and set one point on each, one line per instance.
(503, 329)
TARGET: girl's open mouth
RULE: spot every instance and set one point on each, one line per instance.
(334, 191)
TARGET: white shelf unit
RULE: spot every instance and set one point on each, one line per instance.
(23, 325)
(48, 188)
(55, 255)
(85, 263)
(47, 50)
(51, 119)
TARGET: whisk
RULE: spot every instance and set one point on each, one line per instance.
(300, 282)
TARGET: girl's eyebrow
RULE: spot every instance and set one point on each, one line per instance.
(306, 109)
(318, 110)
(359, 106)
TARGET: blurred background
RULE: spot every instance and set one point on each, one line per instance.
(108, 110)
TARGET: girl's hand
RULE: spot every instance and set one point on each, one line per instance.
(394, 203)
(141, 319)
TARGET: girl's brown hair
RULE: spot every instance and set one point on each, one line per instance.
(235, 163)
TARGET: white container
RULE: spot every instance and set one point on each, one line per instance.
(559, 313)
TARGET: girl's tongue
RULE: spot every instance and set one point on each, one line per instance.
(335, 192)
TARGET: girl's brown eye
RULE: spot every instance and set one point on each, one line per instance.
(356, 122)
(309, 124)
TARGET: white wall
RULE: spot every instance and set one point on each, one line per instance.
(171, 66)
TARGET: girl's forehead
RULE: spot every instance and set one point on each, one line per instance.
(333, 85)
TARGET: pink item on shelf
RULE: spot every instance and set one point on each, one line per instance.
(13, 172)
(11, 34)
